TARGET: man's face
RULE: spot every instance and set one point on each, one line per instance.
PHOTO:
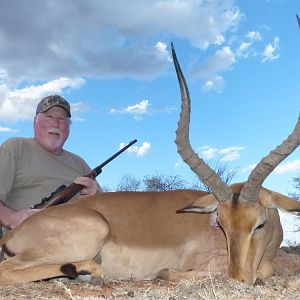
(52, 128)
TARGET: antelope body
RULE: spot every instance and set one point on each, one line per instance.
(169, 235)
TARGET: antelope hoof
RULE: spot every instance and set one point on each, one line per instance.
(94, 280)
(97, 281)
(259, 282)
(162, 274)
(83, 278)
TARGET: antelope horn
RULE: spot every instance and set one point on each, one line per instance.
(221, 191)
(250, 190)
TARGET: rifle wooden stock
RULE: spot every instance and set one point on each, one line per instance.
(64, 193)
(64, 196)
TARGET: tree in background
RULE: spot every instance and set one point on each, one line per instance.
(160, 182)
(296, 185)
(129, 183)
(222, 170)
(151, 183)
(163, 183)
(296, 195)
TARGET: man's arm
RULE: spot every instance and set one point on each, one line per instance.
(10, 218)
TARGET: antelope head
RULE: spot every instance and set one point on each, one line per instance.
(245, 211)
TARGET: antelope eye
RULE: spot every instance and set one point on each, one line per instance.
(260, 226)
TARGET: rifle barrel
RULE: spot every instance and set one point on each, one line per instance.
(98, 169)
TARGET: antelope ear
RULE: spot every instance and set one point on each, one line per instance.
(203, 205)
(272, 199)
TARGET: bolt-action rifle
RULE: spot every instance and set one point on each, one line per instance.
(64, 193)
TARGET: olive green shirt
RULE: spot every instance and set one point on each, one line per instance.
(28, 172)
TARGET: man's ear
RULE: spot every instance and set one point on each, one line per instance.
(203, 205)
(270, 199)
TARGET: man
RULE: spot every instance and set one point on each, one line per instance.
(32, 168)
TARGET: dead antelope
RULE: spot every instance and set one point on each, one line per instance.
(139, 235)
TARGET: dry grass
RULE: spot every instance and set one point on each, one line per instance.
(284, 286)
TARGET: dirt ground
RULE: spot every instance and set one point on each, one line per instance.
(284, 285)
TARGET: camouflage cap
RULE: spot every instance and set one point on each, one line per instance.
(53, 100)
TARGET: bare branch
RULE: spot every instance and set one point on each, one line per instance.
(129, 183)
(222, 170)
(163, 183)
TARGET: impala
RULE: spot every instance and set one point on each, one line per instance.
(168, 235)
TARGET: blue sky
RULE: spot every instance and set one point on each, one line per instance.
(112, 61)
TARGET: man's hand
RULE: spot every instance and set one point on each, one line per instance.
(90, 185)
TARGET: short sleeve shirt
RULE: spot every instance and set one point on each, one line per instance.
(28, 172)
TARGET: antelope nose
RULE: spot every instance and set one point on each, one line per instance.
(243, 278)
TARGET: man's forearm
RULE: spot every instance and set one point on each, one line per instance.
(6, 215)
(11, 218)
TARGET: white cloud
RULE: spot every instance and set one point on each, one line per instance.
(231, 153)
(254, 35)
(78, 106)
(210, 71)
(136, 110)
(7, 129)
(288, 167)
(129, 40)
(281, 169)
(139, 108)
(271, 51)
(208, 152)
(246, 48)
(216, 83)
(220, 61)
(248, 168)
(225, 154)
(224, 59)
(162, 48)
(178, 163)
(121, 38)
(20, 104)
(139, 151)
(3, 76)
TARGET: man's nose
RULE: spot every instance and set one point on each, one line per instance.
(55, 122)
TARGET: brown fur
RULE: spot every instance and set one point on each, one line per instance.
(140, 236)
(7, 252)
